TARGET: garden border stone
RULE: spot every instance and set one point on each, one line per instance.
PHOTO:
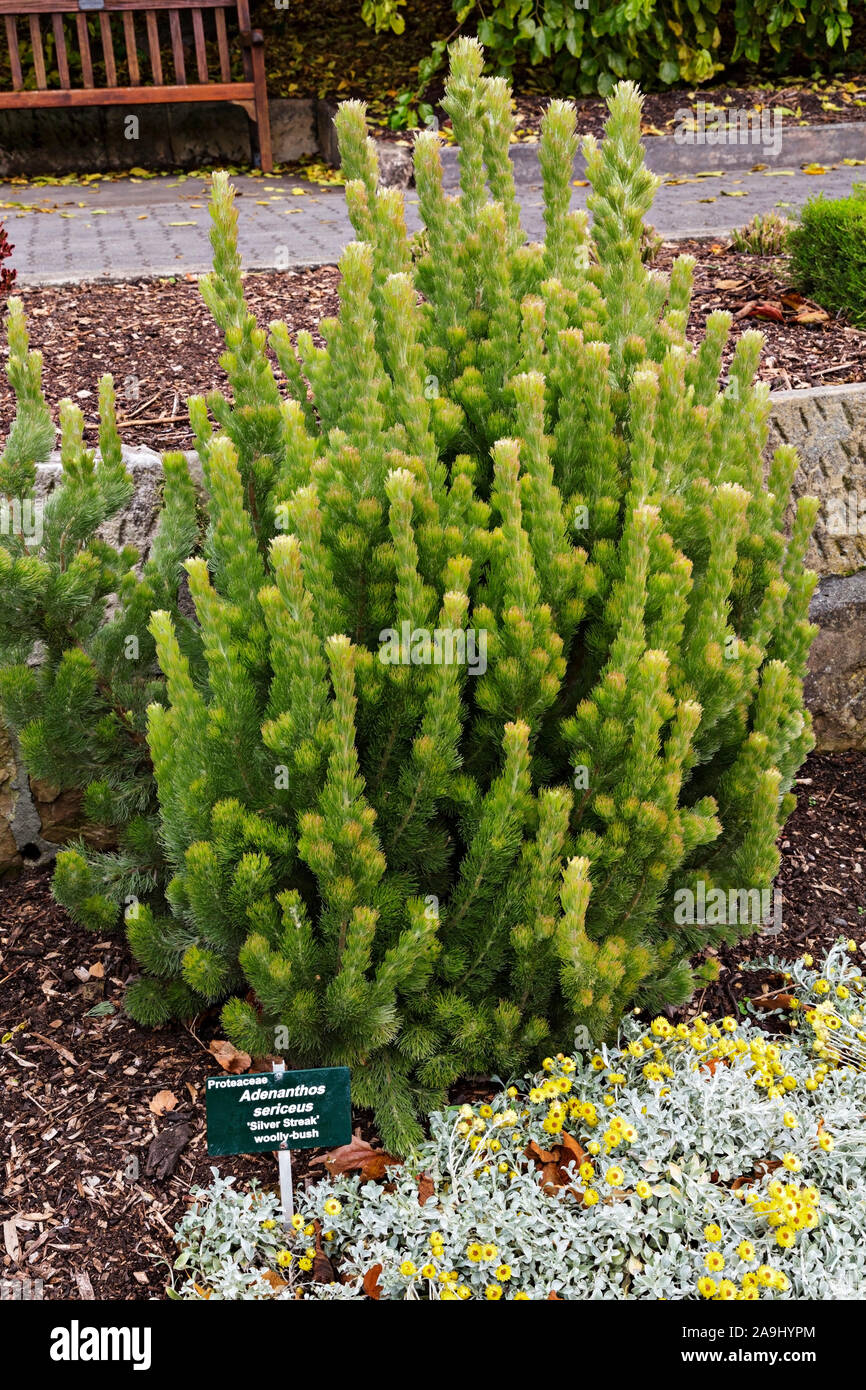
(826, 424)
(665, 155)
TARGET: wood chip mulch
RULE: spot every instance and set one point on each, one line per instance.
(97, 1172)
(158, 340)
(804, 345)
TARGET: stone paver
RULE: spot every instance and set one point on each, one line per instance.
(160, 226)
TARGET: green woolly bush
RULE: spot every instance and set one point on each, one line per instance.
(828, 253)
(428, 855)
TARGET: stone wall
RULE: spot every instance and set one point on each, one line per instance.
(827, 426)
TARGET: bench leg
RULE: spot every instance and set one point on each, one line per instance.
(263, 123)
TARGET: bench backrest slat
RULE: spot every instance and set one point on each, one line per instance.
(153, 48)
(84, 49)
(177, 48)
(223, 45)
(107, 49)
(14, 55)
(60, 50)
(131, 48)
(200, 50)
(38, 54)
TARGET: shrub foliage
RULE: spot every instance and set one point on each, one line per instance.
(828, 253)
(426, 866)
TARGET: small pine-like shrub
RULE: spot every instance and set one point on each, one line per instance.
(502, 635)
(828, 253)
(77, 662)
(766, 235)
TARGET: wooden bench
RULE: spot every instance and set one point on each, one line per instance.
(63, 30)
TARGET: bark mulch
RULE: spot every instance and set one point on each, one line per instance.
(804, 345)
(158, 340)
(822, 879)
(103, 1122)
(81, 1206)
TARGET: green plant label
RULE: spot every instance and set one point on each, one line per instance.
(297, 1110)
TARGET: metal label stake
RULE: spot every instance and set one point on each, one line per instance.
(284, 1158)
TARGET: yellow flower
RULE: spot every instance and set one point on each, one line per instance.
(268, 1225)
(727, 1290)
(714, 1261)
(785, 1237)
(586, 1171)
(521, 1297)
(643, 1190)
(791, 1162)
(548, 1064)
(492, 1292)
(284, 1259)
(297, 1221)
(789, 1120)
(590, 1197)
(485, 1111)
(489, 1252)
(464, 1291)
(597, 1063)
(706, 1286)
(428, 1271)
(614, 1177)
(826, 1142)
(407, 1269)
(713, 1232)
(746, 1251)
(333, 1207)
(765, 1276)
(305, 1264)
(474, 1252)
(309, 1229)
(503, 1273)
(808, 960)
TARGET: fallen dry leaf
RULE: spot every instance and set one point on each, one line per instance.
(426, 1189)
(810, 313)
(370, 1283)
(272, 1278)
(357, 1155)
(228, 1056)
(757, 310)
(162, 1101)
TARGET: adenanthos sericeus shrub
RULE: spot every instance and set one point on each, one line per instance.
(77, 662)
(502, 626)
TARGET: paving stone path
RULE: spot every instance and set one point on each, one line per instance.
(159, 226)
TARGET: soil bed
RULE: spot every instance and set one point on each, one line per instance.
(78, 1088)
(158, 335)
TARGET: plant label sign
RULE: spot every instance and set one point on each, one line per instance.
(281, 1110)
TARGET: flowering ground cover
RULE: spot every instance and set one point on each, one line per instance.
(688, 1161)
